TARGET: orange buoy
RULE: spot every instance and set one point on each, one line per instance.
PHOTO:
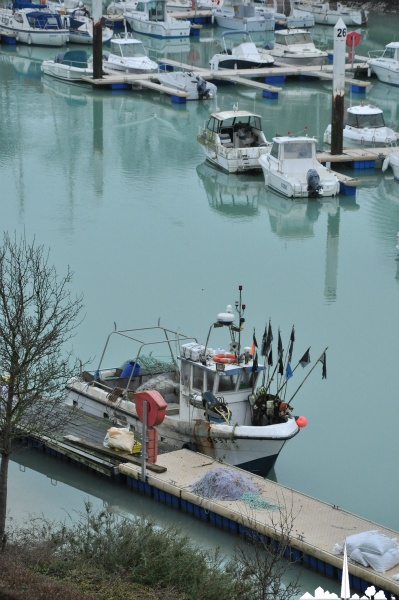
(301, 421)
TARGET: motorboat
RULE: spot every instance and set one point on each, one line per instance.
(365, 126)
(128, 54)
(328, 13)
(68, 66)
(188, 81)
(81, 29)
(150, 17)
(284, 21)
(219, 400)
(385, 63)
(295, 47)
(243, 16)
(292, 169)
(244, 55)
(36, 25)
(392, 160)
(233, 140)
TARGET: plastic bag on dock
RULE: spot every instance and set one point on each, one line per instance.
(119, 438)
(382, 562)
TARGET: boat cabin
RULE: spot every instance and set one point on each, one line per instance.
(293, 37)
(362, 117)
(41, 20)
(128, 48)
(293, 149)
(391, 51)
(237, 129)
(154, 9)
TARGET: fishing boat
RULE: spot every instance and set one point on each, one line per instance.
(233, 140)
(292, 169)
(243, 55)
(295, 47)
(36, 25)
(243, 16)
(219, 400)
(385, 63)
(328, 13)
(188, 81)
(365, 127)
(68, 66)
(128, 54)
(150, 17)
(81, 29)
(392, 160)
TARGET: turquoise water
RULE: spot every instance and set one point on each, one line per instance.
(115, 184)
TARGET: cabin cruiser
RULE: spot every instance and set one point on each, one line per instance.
(295, 47)
(36, 26)
(150, 17)
(365, 126)
(243, 17)
(328, 13)
(128, 55)
(68, 66)
(242, 55)
(385, 64)
(392, 160)
(233, 140)
(292, 169)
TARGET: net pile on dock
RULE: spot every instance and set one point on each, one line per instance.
(224, 484)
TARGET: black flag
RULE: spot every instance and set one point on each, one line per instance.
(270, 358)
(280, 366)
(264, 348)
(324, 363)
(280, 345)
(291, 346)
(255, 363)
(305, 360)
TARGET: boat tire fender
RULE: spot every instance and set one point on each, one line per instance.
(226, 358)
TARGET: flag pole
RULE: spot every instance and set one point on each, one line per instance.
(303, 381)
(286, 381)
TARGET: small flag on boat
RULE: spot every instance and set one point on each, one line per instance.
(255, 363)
(291, 346)
(264, 348)
(324, 363)
(305, 360)
(280, 345)
(288, 371)
(254, 344)
(280, 366)
(270, 358)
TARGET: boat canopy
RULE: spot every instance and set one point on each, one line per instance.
(128, 48)
(366, 118)
(288, 38)
(44, 20)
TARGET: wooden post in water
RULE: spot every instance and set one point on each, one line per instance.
(337, 119)
(97, 39)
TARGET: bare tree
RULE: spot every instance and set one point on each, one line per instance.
(262, 560)
(37, 317)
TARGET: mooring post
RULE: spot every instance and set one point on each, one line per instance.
(97, 39)
(337, 117)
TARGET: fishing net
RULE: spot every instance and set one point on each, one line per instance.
(150, 365)
(224, 484)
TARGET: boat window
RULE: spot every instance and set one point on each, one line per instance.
(198, 378)
(227, 383)
(389, 53)
(281, 39)
(298, 150)
(274, 150)
(246, 380)
(140, 7)
(213, 124)
(371, 120)
(133, 50)
(185, 373)
(299, 38)
(255, 122)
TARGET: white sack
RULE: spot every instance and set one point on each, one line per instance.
(370, 541)
(119, 438)
(383, 562)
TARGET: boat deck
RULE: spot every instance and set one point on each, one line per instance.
(317, 525)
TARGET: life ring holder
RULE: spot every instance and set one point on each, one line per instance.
(225, 357)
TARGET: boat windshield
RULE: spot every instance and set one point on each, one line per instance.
(234, 123)
(389, 53)
(293, 38)
(298, 150)
(360, 121)
(131, 50)
(40, 20)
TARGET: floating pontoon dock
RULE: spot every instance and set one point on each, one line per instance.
(317, 526)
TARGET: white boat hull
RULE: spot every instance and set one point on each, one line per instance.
(386, 71)
(363, 138)
(252, 448)
(65, 72)
(323, 16)
(250, 24)
(39, 38)
(172, 28)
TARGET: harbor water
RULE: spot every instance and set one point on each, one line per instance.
(116, 185)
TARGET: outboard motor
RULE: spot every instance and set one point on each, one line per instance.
(315, 189)
(202, 88)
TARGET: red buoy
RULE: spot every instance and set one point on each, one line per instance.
(301, 421)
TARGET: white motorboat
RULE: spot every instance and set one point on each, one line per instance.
(128, 54)
(385, 63)
(284, 21)
(244, 55)
(34, 26)
(233, 140)
(365, 126)
(243, 17)
(328, 13)
(295, 47)
(392, 160)
(292, 169)
(188, 81)
(150, 17)
(68, 66)
(81, 29)
(218, 401)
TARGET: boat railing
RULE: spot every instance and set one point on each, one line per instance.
(376, 53)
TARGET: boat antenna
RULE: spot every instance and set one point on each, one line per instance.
(240, 309)
(303, 381)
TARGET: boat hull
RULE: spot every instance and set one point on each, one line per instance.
(232, 160)
(39, 38)
(299, 61)
(164, 30)
(363, 138)
(385, 72)
(252, 448)
(65, 72)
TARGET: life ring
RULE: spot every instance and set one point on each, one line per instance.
(226, 358)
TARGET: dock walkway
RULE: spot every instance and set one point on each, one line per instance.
(317, 525)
